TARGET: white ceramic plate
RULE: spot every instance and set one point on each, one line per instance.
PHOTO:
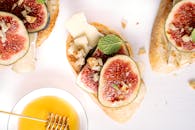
(13, 120)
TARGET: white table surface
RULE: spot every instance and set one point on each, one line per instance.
(169, 103)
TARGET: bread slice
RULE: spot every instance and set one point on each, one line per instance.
(53, 8)
(119, 114)
(164, 58)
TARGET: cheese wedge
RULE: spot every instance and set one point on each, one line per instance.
(82, 42)
(77, 25)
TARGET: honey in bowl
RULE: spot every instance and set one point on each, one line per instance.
(41, 107)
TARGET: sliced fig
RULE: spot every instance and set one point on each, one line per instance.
(180, 24)
(34, 15)
(14, 39)
(86, 81)
(119, 81)
(87, 75)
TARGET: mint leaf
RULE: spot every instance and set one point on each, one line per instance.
(115, 86)
(110, 44)
(193, 35)
(41, 1)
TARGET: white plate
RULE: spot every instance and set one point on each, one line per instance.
(19, 107)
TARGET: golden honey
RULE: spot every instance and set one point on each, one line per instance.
(41, 107)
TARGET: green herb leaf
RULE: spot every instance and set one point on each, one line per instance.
(110, 44)
(193, 35)
(115, 86)
(41, 1)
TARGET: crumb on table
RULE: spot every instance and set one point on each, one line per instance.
(123, 23)
(141, 51)
(192, 83)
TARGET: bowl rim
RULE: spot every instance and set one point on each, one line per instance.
(49, 91)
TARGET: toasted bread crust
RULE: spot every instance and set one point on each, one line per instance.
(164, 58)
(53, 8)
(121, 114)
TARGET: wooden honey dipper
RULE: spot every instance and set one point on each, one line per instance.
(54, 121)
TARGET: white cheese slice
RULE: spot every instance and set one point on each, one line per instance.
(27, 63)
(178, 58)
(92, 34)
(72, 49)
(82, 42)
(77, 25)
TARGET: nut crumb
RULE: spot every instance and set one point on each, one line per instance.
(96, 77)
(30, 19)
(192, 83)
(123, 23)
(141, 51)
(95, 64)
(175, 74)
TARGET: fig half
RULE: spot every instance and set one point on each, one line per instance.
(180, 24)
(34, 15)
(119, 82)
(14, 39)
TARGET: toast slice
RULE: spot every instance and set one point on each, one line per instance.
(165, 58)
(119, 114)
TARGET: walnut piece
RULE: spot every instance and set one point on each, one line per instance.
(95, 64)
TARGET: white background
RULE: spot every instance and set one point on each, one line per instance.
(169, 102)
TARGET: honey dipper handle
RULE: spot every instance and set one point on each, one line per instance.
(23, 116)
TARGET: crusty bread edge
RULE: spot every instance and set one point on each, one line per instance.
(160, 47)
(53, 9)
(121, 114)
(158, 58)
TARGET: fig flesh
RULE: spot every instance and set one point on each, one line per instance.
(14, 39)
(119, 82)
(180, 24)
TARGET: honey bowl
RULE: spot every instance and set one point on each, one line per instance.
(40, 103)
